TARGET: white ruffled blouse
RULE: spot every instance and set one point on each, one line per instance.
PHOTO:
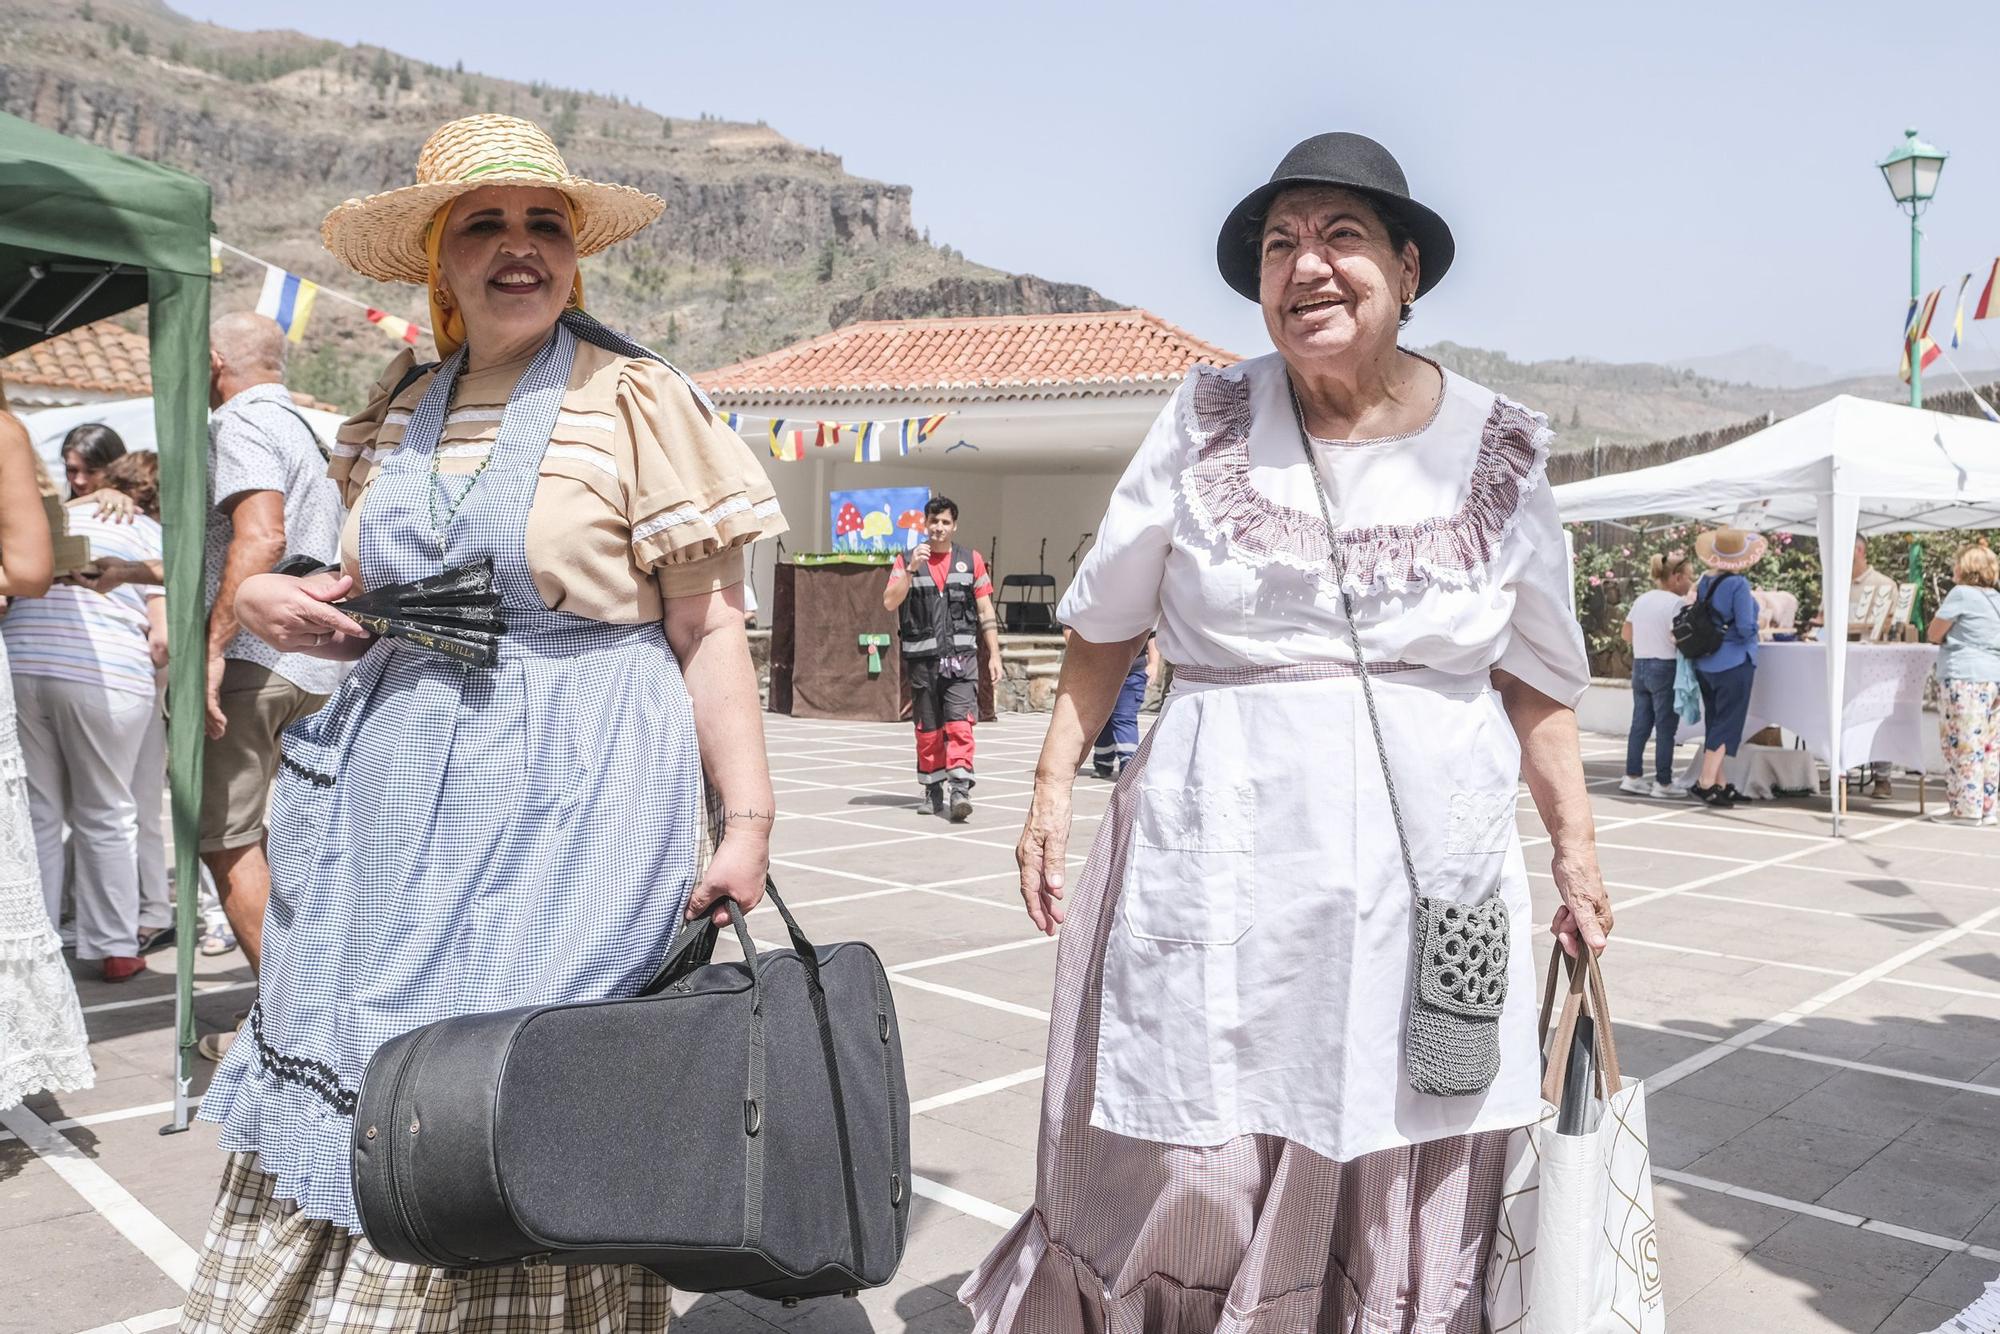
(1450, 541)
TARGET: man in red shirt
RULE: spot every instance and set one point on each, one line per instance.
(945, 598)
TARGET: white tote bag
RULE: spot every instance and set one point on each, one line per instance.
(1576, 1251)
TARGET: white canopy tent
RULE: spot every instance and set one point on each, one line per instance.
(1849, 466)
(132, 418)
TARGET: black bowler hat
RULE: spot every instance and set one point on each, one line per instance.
(1351, 162)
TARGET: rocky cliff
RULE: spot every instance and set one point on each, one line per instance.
(764, 241)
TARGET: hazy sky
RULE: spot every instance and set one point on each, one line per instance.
(1625, 181)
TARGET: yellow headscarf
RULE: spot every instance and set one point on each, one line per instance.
(447, 323)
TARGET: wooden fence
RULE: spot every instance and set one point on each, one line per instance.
(1576, 465)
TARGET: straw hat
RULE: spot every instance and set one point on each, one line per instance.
(1730, 548)
(382, 236)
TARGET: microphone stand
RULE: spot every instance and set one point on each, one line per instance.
(1076, 556)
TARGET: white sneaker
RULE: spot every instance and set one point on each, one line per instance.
(1946, 817)
(1668, 792)
(1982, 1317)
(1638, 787)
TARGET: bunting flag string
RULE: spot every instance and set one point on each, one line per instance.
(1928, 314)
(786, 444)
(280, 284)
(1931, 352)
(790, 440)
(1916, 332)
(392, 325)
(288, 299)
(1917, 321)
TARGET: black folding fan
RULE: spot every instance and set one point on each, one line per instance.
(455, 614)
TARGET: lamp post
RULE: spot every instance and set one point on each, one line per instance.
(1912, 173)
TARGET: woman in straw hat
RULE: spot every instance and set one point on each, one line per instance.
(1725, 675)
(1294, 1013)
(446, 840)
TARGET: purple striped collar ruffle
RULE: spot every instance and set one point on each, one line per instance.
(1454, 550)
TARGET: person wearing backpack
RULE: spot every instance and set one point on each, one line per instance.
(1718, 633)
(1967, 628)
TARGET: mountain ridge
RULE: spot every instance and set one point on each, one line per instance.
(1592, 403)
(762, 242)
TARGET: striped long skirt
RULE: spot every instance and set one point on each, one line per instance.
(1256, 1236)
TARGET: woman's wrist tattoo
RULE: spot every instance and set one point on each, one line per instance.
(750, 815)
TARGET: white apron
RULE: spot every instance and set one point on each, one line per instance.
(1258, 977)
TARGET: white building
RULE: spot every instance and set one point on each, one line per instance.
(1045, 411)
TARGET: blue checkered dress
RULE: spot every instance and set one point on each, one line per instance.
(446, 840)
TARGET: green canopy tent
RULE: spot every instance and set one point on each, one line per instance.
(86, 233)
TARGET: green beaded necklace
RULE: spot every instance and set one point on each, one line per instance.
(441, 523)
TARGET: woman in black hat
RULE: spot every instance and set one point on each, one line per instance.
(1294, 1013)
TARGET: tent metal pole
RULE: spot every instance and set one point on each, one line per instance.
(183, 1071)
(89, 290)
(36, 272)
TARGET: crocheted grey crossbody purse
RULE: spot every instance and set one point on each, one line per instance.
(1458, 970)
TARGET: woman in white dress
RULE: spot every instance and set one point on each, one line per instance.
(43, 1048)
(1234, 1137)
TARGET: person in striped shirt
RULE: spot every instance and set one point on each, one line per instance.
(82, 670)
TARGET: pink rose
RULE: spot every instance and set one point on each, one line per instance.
(1595, 581)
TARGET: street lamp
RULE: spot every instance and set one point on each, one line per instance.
(1912, 173)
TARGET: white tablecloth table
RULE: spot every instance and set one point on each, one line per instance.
(1884, 717)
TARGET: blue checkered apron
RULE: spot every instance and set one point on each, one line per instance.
(446, 840)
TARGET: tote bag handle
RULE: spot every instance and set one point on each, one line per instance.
(1586, 987)
(696, 945)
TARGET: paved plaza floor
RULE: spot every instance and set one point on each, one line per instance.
(1817, 1023)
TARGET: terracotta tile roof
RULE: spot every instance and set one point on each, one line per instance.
(98, 358)
(1091, 354)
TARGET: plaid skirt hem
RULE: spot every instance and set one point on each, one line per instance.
(266, 1268)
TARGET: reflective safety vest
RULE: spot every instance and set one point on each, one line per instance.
(940, 621)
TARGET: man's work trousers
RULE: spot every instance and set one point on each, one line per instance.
(944, 708)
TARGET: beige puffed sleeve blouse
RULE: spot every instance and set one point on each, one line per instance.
(644, 494)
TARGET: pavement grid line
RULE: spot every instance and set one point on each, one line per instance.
(999, 1216)
(101, 1191)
